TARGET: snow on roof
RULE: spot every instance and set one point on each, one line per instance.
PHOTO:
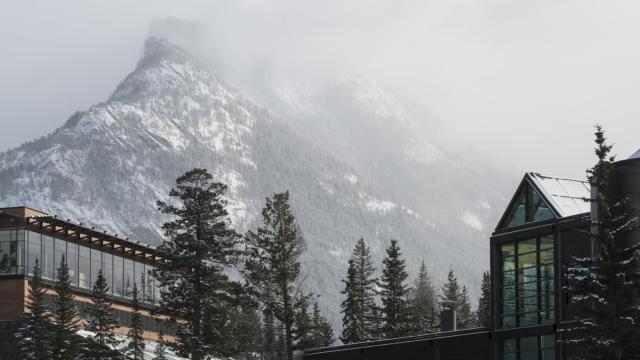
(567, 196)
(636, 155)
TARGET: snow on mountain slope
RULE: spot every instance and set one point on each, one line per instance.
(352, 164)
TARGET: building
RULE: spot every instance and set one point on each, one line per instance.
(544, 226)
(27, 235)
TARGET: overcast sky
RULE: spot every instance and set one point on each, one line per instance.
(524, 81)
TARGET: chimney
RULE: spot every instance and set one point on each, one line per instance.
(448, 316)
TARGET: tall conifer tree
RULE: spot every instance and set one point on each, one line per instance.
(602, 286)
(321, 330)
(201, 246)
(101, 322)
(35, 332)
(466, 317)
(484, 303)
(423, 303)
(359, 310)
(451, 292)
(160, 351)
(136, 345)
(395, 310)
(273, 265)
(65, 342)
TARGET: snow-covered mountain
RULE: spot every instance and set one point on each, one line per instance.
(347, 151)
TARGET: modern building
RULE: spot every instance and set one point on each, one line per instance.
(545, 224)
(28, 235)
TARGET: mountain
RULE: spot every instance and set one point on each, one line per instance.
(349, 154)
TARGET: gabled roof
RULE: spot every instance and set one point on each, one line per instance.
(540, 197)
(568, 197)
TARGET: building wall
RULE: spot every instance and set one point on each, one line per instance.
(12, 294)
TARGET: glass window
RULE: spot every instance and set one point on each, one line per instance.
(139, 279)
(528, 206)
(5, 252)
(149, 285)
(84, 267)
(20, 251)
(59, 252)
(34, 250)
(529, 348)
(107, 270)
(527, 284)
(48, 262)
(96, 265)
(118, 273)
(128, 278)
(72, 262)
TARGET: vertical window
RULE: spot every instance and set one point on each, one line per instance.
(84, 267)
(20, 251)
(118, 273)
(149, 285)
(72, 262)
(107, 270)
(48, 262)
(5, 252)
(128, 278)
(34, 250)
(527, 285)
(527, 207)
(529, 348)
(59, 252)
(96, 265)
(140, 279)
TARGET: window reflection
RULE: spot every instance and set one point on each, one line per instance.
(527, 282)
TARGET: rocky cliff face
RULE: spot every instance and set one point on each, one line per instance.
(354, 165)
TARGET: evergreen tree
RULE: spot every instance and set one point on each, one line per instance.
(395, 311)
(321, 330)
(196, 290)
(136, 345)
(269, 340)
(465, 317)
(35, 332)
(247, 334)
(423, 303)
(101, 322)
(65, 344)
(359, 310)
(303, 326)
(455, 296)
(602, 286)
(273, 265)
(484, 303)
(159, 352)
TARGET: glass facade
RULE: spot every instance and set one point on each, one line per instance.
(20, 247)
(527, 282)
(528, 207)
(12, 252)
(529, 348)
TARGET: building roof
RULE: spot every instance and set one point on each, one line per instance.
(636, 155)
(567, 196)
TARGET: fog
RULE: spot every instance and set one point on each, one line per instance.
(522, 82)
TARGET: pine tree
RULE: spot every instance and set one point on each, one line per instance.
(273, 265)
(452, 294)
(602, 286)
(484, 303)
(465, 317)
(35, 332)
(423, 303)
(303, 327)
(321, 330)
(269, 340)
(196, 289)
(66, 343)
(159, 352)
(359, 310)
(395, 311)
(136, 345)
(101, 322)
